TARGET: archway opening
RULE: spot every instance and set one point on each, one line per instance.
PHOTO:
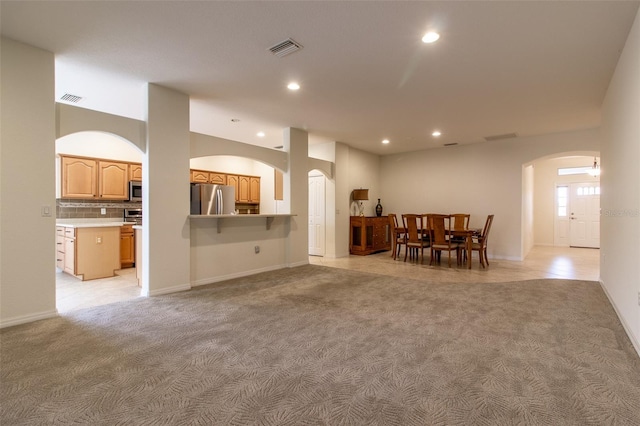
(86, 212)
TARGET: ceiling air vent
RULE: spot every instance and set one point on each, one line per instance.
(285, 48)
(451, 144)
(498, 137)
(68, 97)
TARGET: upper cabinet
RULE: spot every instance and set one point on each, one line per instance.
(247, 187)
(91, 178)
(199, 176)
(113, 180)
(135, 171)
(254, 189)
(79, 177)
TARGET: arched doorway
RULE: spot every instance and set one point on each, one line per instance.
(561, 202)
(71, 292)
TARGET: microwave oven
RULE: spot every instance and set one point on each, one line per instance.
(135, 190)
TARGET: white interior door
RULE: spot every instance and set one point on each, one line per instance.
(316, 215)
(585, 215)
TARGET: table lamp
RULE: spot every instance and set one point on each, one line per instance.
(360, 195)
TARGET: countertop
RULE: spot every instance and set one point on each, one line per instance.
(91, 223)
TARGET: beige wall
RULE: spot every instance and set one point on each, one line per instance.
(620, 181)
(480, 179)
(27, 238)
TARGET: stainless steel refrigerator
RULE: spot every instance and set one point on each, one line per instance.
(212, 199)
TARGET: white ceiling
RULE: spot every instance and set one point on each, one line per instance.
(499, 67)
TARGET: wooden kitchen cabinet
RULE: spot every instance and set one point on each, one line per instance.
(60, 249)
(369, 234)
(79, 177)
(91, 253)
(254, 189)
(244, 189)
(233, 180)
(217, 178)
(199, 176)
(127, 247)
(69, 258)
(91, 178)
(135, 171)
(113, 180)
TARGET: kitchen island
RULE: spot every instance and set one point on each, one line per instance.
(88, 249)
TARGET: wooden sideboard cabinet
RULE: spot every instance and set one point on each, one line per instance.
(369, 234)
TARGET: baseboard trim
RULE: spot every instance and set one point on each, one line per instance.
(296, 264)
(23, 319)
(627, 329)
(211, 280)
(168, 290)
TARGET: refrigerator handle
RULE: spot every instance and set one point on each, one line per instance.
(220, 204)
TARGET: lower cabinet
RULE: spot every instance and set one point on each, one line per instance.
(369, 234)
(127, 247)
(88, 253)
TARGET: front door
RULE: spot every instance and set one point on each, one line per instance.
(584, 215)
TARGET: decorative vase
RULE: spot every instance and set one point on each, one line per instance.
(378, 208)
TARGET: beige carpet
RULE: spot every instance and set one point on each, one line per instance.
(316, 345)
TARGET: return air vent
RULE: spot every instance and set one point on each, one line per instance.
(498, 137)
(68, 97)
(285, 48)
(451, 144)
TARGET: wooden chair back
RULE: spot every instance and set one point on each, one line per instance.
(485, 231)
(439, 225)
(461, 221)
(412, 223)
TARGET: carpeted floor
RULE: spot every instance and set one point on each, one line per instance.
(316, 345)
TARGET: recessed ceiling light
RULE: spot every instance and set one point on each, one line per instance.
(386, 141)
(260, 134)
(436, 133)
(430, 37)
(293, 86)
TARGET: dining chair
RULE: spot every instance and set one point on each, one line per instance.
(398, 235)
(461, 222)
(440, 228)
(414, 224)
(481, 244)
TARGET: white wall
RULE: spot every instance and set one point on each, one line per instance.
(527, 208)
(546, 178)
(27, 239)
(620, 182)
(480, 179)
(231, 253)
(364, 172)
(98, 145)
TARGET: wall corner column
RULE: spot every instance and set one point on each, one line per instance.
(166, 228)
(296, 187)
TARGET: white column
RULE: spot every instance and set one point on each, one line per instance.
(343, 195)
(165, 235)
(296, 188)
(27, 184)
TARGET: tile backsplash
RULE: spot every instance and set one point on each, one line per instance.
(79, 209)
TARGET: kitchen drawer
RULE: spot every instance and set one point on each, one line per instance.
(60, 230)
(70, 232)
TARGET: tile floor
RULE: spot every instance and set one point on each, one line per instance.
(542, 262)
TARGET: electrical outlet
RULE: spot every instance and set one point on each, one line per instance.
(103, 210)
(46, 211)
(257, 249)
(98, 240)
